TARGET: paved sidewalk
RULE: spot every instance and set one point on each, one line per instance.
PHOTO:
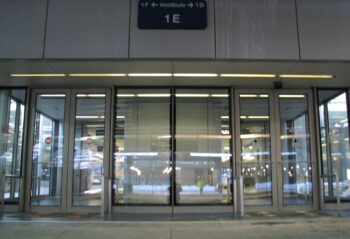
(317, 226)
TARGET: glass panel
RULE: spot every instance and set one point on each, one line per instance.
(295, 149)
(88, 149)
(203, 158)
(256, 149)
(142, 167)
(335, 143)
(48, 150)
(11, 137)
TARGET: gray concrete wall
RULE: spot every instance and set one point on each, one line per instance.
(237, 29)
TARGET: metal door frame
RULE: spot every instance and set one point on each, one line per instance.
(68, 146)
(277, 184)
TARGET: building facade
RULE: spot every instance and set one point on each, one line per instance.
(248, 110)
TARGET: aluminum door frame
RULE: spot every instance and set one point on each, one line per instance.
(273, 161)
(313, 157)
(30, 149)
(106, 155)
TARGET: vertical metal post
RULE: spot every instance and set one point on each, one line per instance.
(241, 195)
(103, 203)
(2, 193)
(235, 201)
(110, 185)
(338, 194)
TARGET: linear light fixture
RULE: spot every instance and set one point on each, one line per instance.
(98, 75)
(153, 95)
(307, 76)
(219, 95)
(52, 95)
(254, 96)
(126, 95)
(291, 96)
(91, 95)
(150, 74)
(89, 117)
(250, 75)
(120, 117)
(258, 117)
(196, 75)
(225, 117)
(38, 75)
(192, 95)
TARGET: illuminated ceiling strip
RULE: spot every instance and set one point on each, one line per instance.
(254, 96)
(126, 95)
(38, 75)
(153, 95)
(192, 95)
(91, 95)
(250, 75)
(307, 76)
(291, 96)
(150, 74)
(219, 95)
(52, 95)
(89, 117)
(98, 75)
(196, 75)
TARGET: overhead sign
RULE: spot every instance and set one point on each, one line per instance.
(172, 14)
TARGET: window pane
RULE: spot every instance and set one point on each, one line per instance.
(88, 149)
(295, 149)
(142, 167)
(335, 143)
(256, 149)
(11, 137)
(48, 150)
(203, 134)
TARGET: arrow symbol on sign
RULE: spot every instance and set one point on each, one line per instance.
(190, 5)
(154, 4)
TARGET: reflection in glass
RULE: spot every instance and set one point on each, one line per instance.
(335, 142)
(11, 138)
(203, 168)
(88, 149)
(142, 167)
(46, 183)
(256, 149)
(295, 149)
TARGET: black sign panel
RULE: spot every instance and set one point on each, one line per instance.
(172, 14)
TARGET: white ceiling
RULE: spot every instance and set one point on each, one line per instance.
(340, 69)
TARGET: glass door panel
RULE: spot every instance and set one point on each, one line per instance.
(203, 159)
(12, 107)
(333, 110)
(142, 162)
(255, 140)
(47, 156)
(295, 152)
(88, 156)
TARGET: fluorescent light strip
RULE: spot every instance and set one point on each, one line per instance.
(126, 95)
(225, 117)
(153, 95)
(291, 96)
(195, 75)
(219, 95)
(38, 75)
(98, 75)
(91, 95)
(250, 75)
(307, 76)
(120, 117)
(89, 117)
(150, 74)
(254, 96)
(53, 95)
(192, 95)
